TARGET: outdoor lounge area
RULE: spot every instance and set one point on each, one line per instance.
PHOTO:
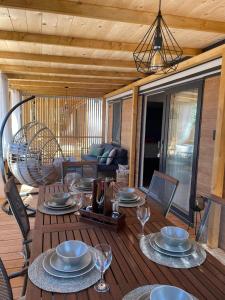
(112, 150)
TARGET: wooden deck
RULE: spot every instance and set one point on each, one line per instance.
(11, 246)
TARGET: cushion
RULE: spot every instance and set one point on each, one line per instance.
(104, 157)
(112, 154)
(96, 150)
(107, 147)
(121, 156)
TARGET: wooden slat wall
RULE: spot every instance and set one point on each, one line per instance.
(76, 122)
(126, 124)
(208, 124)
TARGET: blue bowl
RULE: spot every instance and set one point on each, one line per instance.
(168, 292)
(174, 235)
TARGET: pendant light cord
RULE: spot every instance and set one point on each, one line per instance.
(159, 5)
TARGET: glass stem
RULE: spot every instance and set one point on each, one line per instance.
(102, 278)
(143, 232)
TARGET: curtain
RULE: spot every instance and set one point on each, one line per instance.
(15, 97)
(4, 108)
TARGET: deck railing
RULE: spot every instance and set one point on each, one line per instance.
(76, 122)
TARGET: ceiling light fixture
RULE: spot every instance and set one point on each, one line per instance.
(158, 51)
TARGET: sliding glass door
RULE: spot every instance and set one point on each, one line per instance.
(171, 125)
(182, 144)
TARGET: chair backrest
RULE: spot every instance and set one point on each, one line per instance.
(162, 189)
(5, 286)
(17, 206)
(83, 168)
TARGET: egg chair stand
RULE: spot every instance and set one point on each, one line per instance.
(5, 207)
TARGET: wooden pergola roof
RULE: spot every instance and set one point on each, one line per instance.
(87, 45)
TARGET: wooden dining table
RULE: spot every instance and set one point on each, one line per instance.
(130, 268)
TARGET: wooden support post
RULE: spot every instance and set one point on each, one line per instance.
(218, 171)
(103, 118)
(133, 136)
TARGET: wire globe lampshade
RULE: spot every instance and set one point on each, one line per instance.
(158, 51)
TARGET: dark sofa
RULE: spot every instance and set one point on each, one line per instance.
(104, 169)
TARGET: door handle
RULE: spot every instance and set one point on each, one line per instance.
(160, 148)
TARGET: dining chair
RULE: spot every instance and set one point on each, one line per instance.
(201, 235)
(161, 190)
(83, 168)
(20, 213)
(5, 286)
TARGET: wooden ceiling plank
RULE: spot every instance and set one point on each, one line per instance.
(28, 83)
(77, 42)
(65, 7)
(75, 72)
(67, 59)
(52, 78)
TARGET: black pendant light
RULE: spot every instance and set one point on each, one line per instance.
(158, 51)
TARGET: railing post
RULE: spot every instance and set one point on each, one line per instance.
(132, 155)
(218, 170)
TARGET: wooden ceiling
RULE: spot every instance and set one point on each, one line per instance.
(87, 45)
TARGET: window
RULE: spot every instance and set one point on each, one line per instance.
(116, 126)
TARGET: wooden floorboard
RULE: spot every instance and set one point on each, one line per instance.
(11, 246)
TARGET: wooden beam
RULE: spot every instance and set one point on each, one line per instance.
(27, 83)
(68, 59)
(53, 78)
(132, 157)
(61, 92)
(191, 62)
(69, 90)
(73, 8)
(77, 42)
(218, 169)
(67, 71)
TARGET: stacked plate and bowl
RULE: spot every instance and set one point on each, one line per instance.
(159, 292)
(60, 201)
(70, 259)
(84, 184)
(172, 241)
(128, 197)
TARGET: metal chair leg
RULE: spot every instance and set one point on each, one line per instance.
(24, 285)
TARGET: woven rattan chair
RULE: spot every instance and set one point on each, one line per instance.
(161, 190)
(5, 286)
(19, 211)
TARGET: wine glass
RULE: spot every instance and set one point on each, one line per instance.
(103, 256)
(79, 199)
(89, 202)
(143, 215)
(115, 207)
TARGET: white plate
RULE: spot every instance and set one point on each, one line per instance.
(55, 204)
(169, 253)
(160, 242)
(59, 265)
(73, 203)
(82, 188)
(135, 199)
(48, 268)
(139, 202)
